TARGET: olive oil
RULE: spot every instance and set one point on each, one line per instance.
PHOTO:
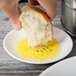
(37, 54)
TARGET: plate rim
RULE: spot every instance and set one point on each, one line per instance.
(62, 61)
(35, 62)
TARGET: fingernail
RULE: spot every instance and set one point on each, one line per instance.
(16, 27)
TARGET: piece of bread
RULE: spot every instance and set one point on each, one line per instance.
(37, 25)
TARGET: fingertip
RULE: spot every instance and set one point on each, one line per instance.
(51, 14)
(19, 28)
(16, 27)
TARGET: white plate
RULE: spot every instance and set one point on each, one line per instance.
(13, 36)
(66, 67)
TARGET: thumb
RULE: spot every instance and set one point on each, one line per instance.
(13, 12)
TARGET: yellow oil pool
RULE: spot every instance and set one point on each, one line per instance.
(37, 54)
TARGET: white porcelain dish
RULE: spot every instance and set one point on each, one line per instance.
(66, 67)
(12, 37)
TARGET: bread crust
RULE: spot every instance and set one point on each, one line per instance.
(44, 15)
(37, 10)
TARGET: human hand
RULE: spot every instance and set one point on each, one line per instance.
(48, 5)
(11, 9)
